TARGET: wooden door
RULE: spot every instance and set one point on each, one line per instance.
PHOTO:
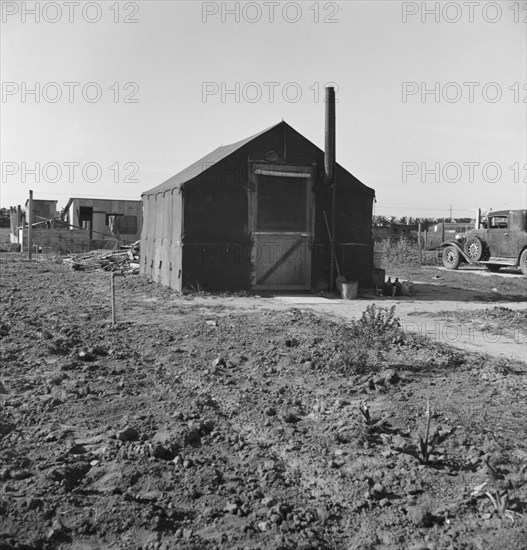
(282, 227)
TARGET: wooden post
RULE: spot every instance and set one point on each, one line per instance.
(419, 242)
(29, 227)
(112, 293)
(11, 220)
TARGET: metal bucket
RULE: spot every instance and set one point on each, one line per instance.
(350, 290)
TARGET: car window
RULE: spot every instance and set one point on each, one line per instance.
(498, 222)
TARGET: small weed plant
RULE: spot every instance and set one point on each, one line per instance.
(368, 428)
(426, 447)
(499, 497)
(377, 324)
(194, 289)
(498, 490)
(370, 337)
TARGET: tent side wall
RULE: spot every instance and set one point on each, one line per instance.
(354, 245)
(147, 235)
(161, 253)
(217, 244)
(353, 229)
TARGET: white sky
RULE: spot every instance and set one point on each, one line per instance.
(369, 52)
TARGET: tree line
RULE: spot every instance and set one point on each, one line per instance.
(387, 221)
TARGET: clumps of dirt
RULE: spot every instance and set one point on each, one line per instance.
(202, 426)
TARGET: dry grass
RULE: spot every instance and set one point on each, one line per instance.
(405, 252)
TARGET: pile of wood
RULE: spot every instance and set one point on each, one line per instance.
(125, 260)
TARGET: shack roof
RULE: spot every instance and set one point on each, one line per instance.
(96, 200)
(218, 155)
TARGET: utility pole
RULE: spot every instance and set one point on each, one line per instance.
(30, 227)
(450, 216)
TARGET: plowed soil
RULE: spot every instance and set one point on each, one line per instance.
(195, 423)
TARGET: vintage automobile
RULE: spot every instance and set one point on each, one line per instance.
(500, 241)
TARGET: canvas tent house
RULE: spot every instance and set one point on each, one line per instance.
(250, 216)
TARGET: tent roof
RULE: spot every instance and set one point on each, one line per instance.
(212, 158)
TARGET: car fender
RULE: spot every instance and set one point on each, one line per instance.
(444, 244)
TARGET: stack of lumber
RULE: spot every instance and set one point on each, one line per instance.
(125, 260)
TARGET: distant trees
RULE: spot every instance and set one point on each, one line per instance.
(386, 221)
(380, 221)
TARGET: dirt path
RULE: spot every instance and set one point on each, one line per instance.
(506, 272)
(414, 313)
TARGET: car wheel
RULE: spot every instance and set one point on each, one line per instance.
(523, 262)
(493, 267)
(451, 257)
(474, 249)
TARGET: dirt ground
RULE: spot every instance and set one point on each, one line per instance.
(202, 422)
